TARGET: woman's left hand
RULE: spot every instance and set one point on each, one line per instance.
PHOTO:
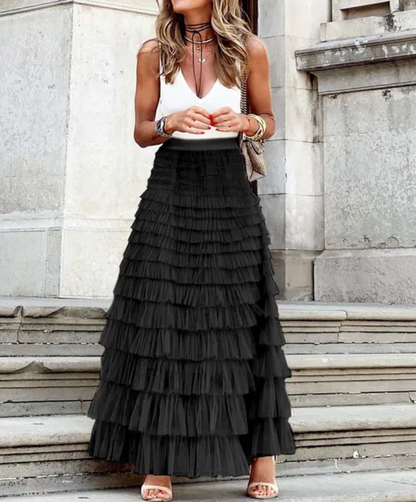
(225, 119)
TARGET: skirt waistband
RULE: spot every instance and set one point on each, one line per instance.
(201, 144)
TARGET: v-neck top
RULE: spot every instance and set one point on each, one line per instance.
(179, 96)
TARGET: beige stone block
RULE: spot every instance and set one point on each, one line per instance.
(293, 77)
(276, 47)
(375, 76)
(8, 335)
(378, 24)
(58, 336)
(325, 400)
(354, 363)
(298, 314)
(295, 337)
(137, 6)
(33, 121)
(92, 260)
(294, 273)
(363, 337)
(39, 394)
(374, 275)
(304, 168)
(53, 262)
(273, 208)
(22, 263)
(303, 19)
(44, 408)
(275, 181)
(351, 387)
(351, 9)
(58, 349)
(271, 21)
(349, 348)
(304, 222)
(104, 76)
(352, 451)
(302, 103)
(294, 167)
(279, 108)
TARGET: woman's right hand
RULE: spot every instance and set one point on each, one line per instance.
(194, 120)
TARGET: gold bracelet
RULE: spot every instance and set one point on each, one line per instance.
(262, 127)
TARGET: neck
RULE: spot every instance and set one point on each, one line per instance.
(198, 18)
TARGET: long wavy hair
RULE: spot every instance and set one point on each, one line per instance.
(232, 32)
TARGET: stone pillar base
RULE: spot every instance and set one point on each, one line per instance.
(366, 275)
(294, 274)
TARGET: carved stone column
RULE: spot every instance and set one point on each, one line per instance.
(292, 193)
(71, 174)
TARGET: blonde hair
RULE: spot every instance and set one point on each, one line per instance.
(232, 32)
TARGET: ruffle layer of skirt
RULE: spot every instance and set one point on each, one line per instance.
(193, 372)
(183, 345)
(213, 455)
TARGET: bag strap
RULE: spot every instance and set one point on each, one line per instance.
(244, 100)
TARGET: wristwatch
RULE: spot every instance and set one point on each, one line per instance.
(160, 128)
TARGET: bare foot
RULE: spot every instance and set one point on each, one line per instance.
(263, 469)
(151, 479)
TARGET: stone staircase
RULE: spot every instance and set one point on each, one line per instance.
(353, 390)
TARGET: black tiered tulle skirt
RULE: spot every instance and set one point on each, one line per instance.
(193, 375)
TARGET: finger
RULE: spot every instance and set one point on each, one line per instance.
(228, 126)
(226, 117)
(201, 111)
(202, 118)
(221, 110)
(186, 128)
(195, 124)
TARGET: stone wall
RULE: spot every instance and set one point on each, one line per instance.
(71, 172)
(368, 91)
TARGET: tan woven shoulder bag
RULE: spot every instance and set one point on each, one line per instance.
(253, 150)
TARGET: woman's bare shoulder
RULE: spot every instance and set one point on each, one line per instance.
(148, 55)
(257, 49)
(149, 46)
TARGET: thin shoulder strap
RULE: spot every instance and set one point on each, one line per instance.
(160, 60)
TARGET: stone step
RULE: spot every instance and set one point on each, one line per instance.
(49, 453)
(391, 486)
(63, 327)
(66, 385)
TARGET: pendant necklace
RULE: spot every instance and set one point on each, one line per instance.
(196, 29)
(198, 47)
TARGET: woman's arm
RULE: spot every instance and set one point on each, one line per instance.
(194, 120)
(147, 95)
(259, 92)
(259, 95)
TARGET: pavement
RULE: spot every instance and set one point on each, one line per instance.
(357, 487)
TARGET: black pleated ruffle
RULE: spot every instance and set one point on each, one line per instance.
(193, 373)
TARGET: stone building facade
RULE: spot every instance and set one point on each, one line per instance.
(340, 198)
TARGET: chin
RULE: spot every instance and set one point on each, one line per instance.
(183, 6)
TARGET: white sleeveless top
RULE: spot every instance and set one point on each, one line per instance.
(179, 96)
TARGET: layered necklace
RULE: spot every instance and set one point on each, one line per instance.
(196, 29)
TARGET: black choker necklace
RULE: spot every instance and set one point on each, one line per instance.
(196, 29)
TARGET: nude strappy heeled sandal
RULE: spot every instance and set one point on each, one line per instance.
(168, 492)
(274, 486)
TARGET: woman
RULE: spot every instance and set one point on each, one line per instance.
(192, 377)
